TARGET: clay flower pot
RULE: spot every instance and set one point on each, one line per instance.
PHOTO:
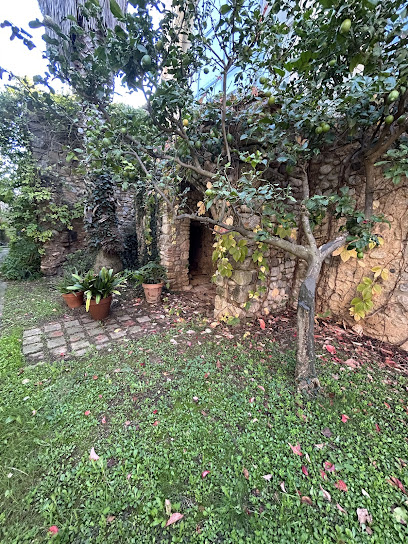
(101, 310)
(152, 292)
(74, 300)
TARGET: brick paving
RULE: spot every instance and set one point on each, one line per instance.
(77, 335)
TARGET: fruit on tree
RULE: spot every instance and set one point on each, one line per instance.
(271, 100)
(230, 138)
(345, 26)
(389, 119)
(318, 130)
(185, 122)
(106, 142)
(263, 80)
(360, 255)
(325, 127)
(393, 96)
(146, 61)
(206, 70)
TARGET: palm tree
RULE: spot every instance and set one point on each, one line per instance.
(76, 50)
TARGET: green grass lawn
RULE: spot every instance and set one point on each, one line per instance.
(161, 415)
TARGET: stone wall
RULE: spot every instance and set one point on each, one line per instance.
(174, 243)
(337, 287)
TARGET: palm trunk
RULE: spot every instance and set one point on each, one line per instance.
(305, 372)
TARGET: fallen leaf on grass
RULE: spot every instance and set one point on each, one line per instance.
(377, 428)
(296, 449)
(267, 477)
(53, 530)
(252, 399)
(341, 485)
(344, 418)
(307, 500)
(397, 483)
(329, 466)
(205, 473)
(109, 519)
(87, 412)
(330, 349)
(363, 516)
(341, 508)
(93, 455)
(364, 492)
(103, 420)
(155, 423)
(261, 387)
(262, 324)
(304, 470)
(326, 494)
(326, 432)
(319, 446)
(173, 518)
(282, 485)
(167, 505)
(323, 474)
(245, 473)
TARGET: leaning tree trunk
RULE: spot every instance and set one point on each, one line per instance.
(305, 373)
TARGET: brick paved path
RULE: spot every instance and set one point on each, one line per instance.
(75, 335)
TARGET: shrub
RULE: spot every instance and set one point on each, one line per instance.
(23, 260)
(79, 262)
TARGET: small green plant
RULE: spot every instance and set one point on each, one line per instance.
(151, 273)
(23, 261)
(368, 287)
(97, 286)
(79, 262)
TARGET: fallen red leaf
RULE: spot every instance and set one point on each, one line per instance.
(377, 428)
(296, 449)
(307, 500)
(155, 423)
(341, 485)
(326, 494)
(304, 470)
(173, 518)
(205, 473)
(397, 483)
(329, 466)
(155, 411)
(262, 324)
(245, 473)
(341, 508)
(87, 412)
(323, 474)
(103, 420)
(53, 530)
(344, 418)
(330, 349)
(252, 399)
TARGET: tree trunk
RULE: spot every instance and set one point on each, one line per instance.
(305, 373)
(369, 188)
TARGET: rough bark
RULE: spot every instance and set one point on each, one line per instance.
(305, 373)
(369, 188)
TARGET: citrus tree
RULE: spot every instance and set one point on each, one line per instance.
(289, 82)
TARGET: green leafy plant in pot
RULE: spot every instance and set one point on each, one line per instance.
(151, 276)
(72, 298)
(98, 290)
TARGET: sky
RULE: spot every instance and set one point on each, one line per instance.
(15, 57)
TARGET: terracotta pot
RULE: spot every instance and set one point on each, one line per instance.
(74, 300)
(152, 292)
(101, 310)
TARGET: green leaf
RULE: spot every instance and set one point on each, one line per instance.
(35, 24)
(115, 9)
(225, 8)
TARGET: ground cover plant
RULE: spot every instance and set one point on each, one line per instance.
(111, 446)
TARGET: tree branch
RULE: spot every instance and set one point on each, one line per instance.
(327, 249)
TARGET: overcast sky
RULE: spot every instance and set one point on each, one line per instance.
(15, 56)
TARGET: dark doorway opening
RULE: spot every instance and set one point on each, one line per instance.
(200, 256)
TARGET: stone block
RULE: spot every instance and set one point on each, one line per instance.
(55, 334)
(240, 294)
(32, 340)
(72, 323)
(31, 332)
(101, 339)
(143, 319)
(95, 331)
(243, 277)
(77, 337)
(82, 344)
(56, 342)
(32, 348)
(60, 352)
(135, 330)
(52, 327)
(115, 335)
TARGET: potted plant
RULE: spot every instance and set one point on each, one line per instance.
(73, 298)
(151, 276)
(98, 290)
